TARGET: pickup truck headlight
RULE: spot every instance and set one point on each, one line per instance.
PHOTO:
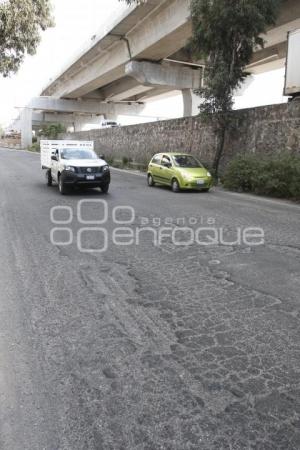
(70, 168)
(208, 174)
(105, 168)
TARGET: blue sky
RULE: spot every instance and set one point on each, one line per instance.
(74, 26)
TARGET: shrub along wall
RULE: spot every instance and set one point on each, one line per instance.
(276, 175)
(262, 131)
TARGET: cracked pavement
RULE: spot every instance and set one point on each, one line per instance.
(145, 347)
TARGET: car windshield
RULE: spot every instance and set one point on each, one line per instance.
(186, 161)
(78, 153)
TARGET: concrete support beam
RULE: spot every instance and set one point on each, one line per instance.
(50, 104)
(76, 121)
(46, 117)
(270, 58)
(278, 34)
(109, 111)
(143, 77)
(26, 127)
(158, 75)
(153, 93)
(96, 95)
(123, 89)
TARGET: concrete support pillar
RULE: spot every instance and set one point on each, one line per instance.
(26, 127)
(187, 97)
(78, 125)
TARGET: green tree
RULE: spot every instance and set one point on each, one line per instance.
(20, 24)
(52, 131)
(225, 35)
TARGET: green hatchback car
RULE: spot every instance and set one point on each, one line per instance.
(180, 171)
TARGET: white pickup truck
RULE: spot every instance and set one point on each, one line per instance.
(74, 164)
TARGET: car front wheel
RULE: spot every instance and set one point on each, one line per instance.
(175, 185)
(150, 180)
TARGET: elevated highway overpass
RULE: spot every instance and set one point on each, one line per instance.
(141, 55)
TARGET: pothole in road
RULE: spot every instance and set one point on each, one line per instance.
(214, 262)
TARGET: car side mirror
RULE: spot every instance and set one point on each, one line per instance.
(167, 164)
(54, 158)
(102, 157)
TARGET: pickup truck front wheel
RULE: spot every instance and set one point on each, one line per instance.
(104, 188)
(61, 186)
(49, 177)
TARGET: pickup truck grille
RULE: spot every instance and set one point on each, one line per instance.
(89, 170)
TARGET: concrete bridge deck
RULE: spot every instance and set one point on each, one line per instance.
(141, 55)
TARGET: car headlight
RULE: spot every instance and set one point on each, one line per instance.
(105, 168)
(70, 168)
(208, 174)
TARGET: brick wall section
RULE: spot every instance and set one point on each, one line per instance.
(264, 130)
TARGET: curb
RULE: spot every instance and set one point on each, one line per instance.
(19, 150)
(130, 172)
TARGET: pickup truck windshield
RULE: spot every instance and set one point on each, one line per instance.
(78, 153)
(186, 161)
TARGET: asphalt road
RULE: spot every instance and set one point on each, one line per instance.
(146, 346)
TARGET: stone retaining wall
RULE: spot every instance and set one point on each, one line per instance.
(264, 130)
